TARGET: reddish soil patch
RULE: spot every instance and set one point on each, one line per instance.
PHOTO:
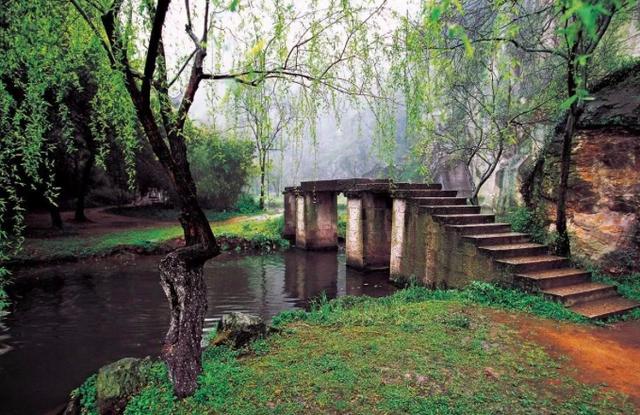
(600, 355)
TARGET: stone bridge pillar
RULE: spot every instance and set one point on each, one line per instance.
(408, 243)
(289, 231)
(368, 237)
(317, 220)
(399, 237)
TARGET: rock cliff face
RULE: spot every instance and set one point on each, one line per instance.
(604, 187)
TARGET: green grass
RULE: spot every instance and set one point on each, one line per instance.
(258, 230)
(416, 352)
(265, 233)
(171, 214)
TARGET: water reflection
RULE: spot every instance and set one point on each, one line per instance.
(70, 320)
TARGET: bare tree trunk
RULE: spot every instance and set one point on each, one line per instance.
(85, 182)
(56, 219)
(486, 175)
(563, 245)
(263, 167)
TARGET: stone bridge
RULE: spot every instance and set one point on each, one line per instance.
(424, 233)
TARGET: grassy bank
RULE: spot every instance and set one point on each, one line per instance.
(257, 231)
(416, 352)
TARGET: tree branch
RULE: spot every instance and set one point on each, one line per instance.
(152, 51)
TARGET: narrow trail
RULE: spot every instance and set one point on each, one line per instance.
(600, 355)
(102, 221)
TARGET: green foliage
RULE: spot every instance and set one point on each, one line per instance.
(44, 56)
(220, 167)
(87, 394)
(247, 204)
(487, 294)
(4, 279)
(525, 220)
(414, 352)
(342, 225)
(261, 232)
(512, 299)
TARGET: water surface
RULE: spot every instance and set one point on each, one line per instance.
(69, 320)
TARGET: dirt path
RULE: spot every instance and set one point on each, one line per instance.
(101, 221)
(600, 355)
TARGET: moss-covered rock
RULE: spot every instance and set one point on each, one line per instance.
(117, 382)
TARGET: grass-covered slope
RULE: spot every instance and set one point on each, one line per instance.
(258, 231)
(416, 352)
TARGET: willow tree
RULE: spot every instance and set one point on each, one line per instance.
(317, 47)
(583, 26)
(44, 53)
(556, 42)
(266, 113)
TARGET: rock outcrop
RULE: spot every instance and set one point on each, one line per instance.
(604, 189)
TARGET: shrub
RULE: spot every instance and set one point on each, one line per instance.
(342, 225)
(523, 219)
(247, 204)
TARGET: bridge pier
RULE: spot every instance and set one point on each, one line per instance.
(317, 220)
(368, 238)
(408, 257)
(290, 210)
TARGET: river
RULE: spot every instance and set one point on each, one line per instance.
(69, 320)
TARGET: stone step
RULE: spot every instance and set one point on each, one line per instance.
(464, 219)
(412, 194)
(553, 278)
(607, 307)
(514, 250)
(451, 210)
(473, 229)
(526, 264)
(580, 293)
(441, 201)
(498, 238)
(416, 186)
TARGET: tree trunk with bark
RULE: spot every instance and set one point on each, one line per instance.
(85, 183)
(56, 219)
(181, 271)
(563, 245)
(262, 180)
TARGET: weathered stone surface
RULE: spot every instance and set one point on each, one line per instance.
(317, 221)
(603, 201)
(616, 103)
(238, 329)
(290, 210)
(117, 382)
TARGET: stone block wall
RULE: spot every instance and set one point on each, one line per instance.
(428, 252)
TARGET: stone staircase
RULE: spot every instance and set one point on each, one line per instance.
(531, 265)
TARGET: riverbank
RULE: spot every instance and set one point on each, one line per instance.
(417, 351)
(112, 234)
